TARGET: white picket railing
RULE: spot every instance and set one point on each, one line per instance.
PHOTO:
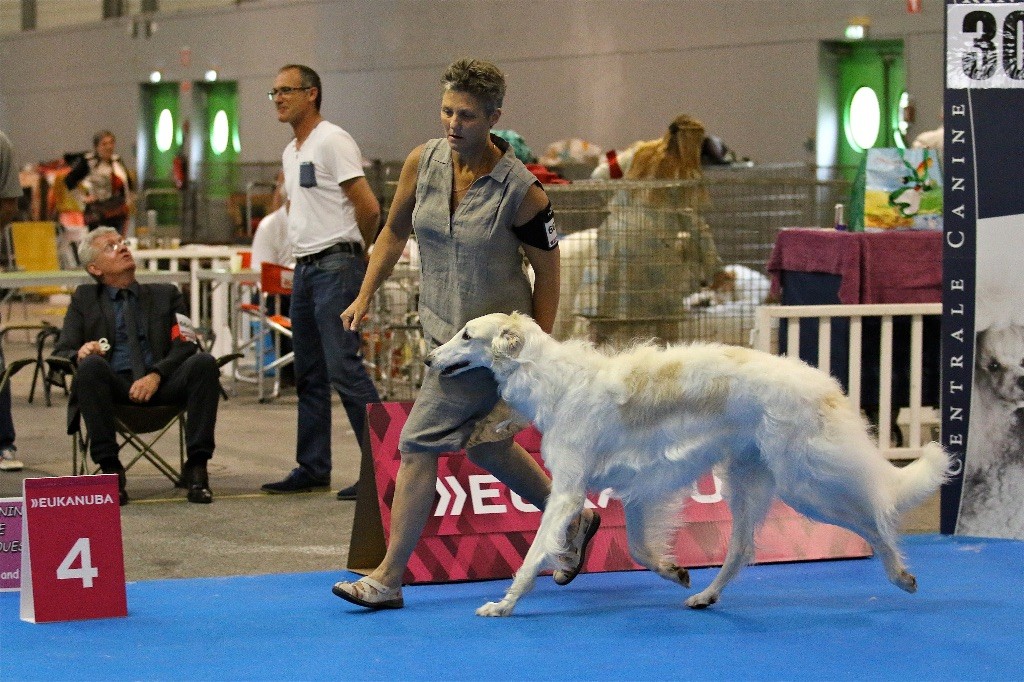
(764, 338)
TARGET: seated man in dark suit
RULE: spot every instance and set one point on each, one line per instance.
(133, 344)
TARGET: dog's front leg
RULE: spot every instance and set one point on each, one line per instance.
(559, 512)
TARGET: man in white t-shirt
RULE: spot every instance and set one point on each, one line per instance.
(270, 243)
(333, 217)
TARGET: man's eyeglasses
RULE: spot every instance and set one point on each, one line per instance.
(285, 91)
(112, 247)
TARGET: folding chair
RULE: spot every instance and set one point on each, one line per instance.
(138, 426)
(275, 281)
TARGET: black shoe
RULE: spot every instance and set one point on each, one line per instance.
(197, 480)
(298, 481)
(114, 466)
(349, 493)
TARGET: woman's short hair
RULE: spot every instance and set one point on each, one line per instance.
(86, 251)
(476, 77)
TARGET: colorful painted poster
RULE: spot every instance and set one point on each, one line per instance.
(902, 190)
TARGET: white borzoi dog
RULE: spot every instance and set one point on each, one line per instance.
(648, 422)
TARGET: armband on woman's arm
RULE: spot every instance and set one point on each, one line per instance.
(539, 231)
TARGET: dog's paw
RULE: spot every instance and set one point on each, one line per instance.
(702, 600)
(674, 573)
(906, 581)
(496, 608)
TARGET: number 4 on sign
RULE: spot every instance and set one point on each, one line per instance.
(86, 572)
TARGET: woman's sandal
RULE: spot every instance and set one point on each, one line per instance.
(370, 593)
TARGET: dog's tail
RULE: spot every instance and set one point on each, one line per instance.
(922, 477)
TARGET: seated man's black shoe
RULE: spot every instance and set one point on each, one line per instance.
(298, 481)
(349, 493)
(114, 466)
(197, 481)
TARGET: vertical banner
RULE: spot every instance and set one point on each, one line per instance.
(10, 544)
(983, 321)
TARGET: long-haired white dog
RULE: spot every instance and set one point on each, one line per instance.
(648, 422)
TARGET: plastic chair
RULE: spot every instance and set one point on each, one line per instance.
(45, 373)
(32, 247)
(13, 369)
(275, 281)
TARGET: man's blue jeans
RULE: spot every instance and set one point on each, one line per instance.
(326, 355)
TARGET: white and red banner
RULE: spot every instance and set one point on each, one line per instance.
(983, 321)
(72, 559)
(479, 529)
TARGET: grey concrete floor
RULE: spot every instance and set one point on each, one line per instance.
(244, 531)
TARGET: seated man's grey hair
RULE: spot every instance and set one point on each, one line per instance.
(86, 251)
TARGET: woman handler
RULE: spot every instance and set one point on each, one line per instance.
(476, 211)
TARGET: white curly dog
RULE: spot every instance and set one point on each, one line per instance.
(648, 422)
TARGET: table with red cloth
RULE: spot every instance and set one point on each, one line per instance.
(815, 266)
(872, 267)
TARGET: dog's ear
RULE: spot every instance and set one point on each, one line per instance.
(509, 342)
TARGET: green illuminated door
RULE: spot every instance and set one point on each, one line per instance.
(865, 83)
(161, 125)
(217, 109)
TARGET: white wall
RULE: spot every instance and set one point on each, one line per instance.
(609, 71)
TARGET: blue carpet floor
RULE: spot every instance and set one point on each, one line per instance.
(820, 621)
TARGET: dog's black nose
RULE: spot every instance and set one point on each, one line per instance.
(429, 359)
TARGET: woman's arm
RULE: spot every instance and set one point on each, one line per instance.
(546, 285)
(545, 262)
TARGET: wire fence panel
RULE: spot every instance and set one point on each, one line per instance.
(678, 260)
(393, 342)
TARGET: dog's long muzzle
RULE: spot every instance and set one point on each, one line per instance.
(430, 359)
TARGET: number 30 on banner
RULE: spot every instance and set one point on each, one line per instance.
(985, 46)
(86, 571)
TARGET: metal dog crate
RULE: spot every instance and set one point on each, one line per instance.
(678, 260)
(393, 343)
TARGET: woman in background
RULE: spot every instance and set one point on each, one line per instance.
(104, 184)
